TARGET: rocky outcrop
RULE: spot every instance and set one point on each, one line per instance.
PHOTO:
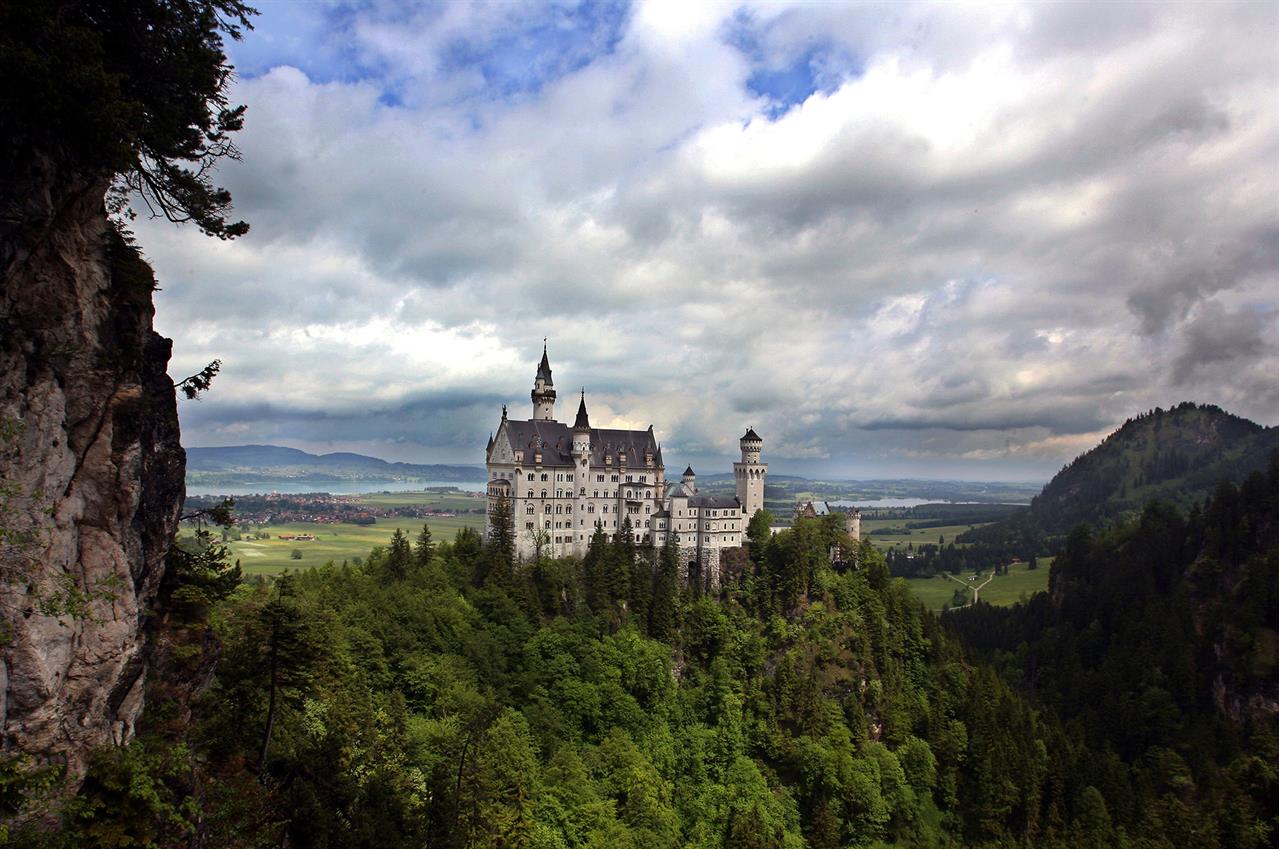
(90, 465)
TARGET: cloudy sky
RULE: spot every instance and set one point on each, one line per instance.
(934, 240)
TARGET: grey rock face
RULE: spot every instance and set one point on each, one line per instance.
(91, 470)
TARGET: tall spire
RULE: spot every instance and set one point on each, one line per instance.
(543, 394)
(544, 367)
(583, 422)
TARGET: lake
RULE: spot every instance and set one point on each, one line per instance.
(293, 487)
(893, 502)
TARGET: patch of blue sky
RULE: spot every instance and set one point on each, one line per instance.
(541, 46)
(313, 37)
(786, 78)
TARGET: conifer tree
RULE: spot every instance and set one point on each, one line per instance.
(501, 542)
(594, 567)
(290, 647)
(661, 614)
(398, 558)
(621, 562)
(641, 591)
(423, 548)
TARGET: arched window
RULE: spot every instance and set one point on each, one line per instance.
(543, 493)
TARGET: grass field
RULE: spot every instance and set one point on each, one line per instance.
(917, 536)
(1020, 583)
(346, 541)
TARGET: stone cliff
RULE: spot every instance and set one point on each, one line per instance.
(91, 470)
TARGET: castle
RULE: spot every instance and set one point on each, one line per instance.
(562, 481)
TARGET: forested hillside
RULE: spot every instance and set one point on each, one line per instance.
(1158, 647)
(440, 696)
(1177, 456)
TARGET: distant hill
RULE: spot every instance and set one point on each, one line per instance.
(250, 463)
(1177, 455)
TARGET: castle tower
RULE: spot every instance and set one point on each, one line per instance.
(543, 391)
(581, 473)
(690, 479)
(750, 473)
(582, 431)
(854, 524)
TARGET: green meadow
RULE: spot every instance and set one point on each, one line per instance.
(1018, 585)
(873, 529)
(344, 541)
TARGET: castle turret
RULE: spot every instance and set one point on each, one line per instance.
(543, 391)
(582, 430)
(690, 479)
(750, 473)
(854, 524)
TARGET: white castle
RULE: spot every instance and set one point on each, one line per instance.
(562, 481)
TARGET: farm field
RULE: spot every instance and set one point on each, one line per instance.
(872, 530)
(334, 542)
(346, 541)
(1003, 591)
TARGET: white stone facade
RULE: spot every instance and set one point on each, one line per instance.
(562, 481)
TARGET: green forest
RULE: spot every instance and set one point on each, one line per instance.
(439, 695)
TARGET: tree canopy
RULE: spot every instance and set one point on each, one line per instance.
(135, 91)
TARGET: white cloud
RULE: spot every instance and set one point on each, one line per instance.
(1000, 231)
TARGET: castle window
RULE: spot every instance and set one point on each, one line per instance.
(548, 508)
(582, 492)
(544, 476)
(590, 508)
(528, 526)
(648, 508)
(599, 479)
(529, 510)
(547, 524)
(630, 478)
(614, 478)
(559, 508)
(543, 493)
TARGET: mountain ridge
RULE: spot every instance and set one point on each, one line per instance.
(1178, 455)
(260, 462)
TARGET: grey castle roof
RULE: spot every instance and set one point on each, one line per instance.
(689, 473)
(751, 434)
(555, 441)
(544, 368)
(715, 502)
(583, 421)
